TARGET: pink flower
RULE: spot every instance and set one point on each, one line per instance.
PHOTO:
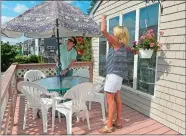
(151, 44)
(150, 31)
(134, 43)
(161, 33)
(142, 37)
(149, 35)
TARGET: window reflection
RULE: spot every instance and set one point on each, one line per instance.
(129, 21)
(112, 23)
(146, 67)
(102, 55)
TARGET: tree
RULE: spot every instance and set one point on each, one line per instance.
(8, 54)
(92, 4)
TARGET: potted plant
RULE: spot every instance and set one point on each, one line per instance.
(146, 45)
(80, 45)
(83, 48)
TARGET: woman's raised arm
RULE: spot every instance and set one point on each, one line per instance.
(115, 44)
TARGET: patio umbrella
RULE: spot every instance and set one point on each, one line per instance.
(51, 18)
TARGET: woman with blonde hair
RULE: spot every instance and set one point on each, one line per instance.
(116, 70)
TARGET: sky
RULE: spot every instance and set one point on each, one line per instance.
(11, 9)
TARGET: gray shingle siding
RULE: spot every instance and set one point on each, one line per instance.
(168, 104)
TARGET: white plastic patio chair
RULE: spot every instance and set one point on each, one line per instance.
(95, 94)
(33, 75)
(77, 94)
(32, 92)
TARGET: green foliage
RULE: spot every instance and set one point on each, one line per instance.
(20, 59)
(40, 59)
(92, 4)
(8, 54)
(33, 59)
(84, 48)
(87, 55)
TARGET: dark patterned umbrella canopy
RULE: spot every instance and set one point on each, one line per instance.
(40, 22)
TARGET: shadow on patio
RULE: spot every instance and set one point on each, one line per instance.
(133, 121)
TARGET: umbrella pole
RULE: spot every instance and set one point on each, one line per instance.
(58, 45)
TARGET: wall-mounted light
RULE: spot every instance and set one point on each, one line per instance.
(160, 2)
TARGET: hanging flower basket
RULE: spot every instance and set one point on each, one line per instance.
(145, 53)
(146, 45)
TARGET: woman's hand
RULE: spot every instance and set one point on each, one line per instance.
(63, 72)
(103, 17)
(113, 41)
(56, 59)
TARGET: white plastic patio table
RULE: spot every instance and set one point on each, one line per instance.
(60, 84)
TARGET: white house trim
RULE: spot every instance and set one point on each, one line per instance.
(136, 56)
(95, 7)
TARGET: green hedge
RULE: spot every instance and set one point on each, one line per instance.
(20, 59)
(8, 54)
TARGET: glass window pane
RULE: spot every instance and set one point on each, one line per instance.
(129, 21)
(102, 55)
(112, 23)
(146, 67)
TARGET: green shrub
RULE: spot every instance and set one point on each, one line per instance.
(8, 54)
(27, 59)
(40, 59)
(21, 59)
(33, 59)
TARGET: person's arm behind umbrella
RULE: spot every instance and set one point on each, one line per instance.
(56, 58)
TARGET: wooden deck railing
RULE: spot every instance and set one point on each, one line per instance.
(50, 69)
(9, 92)
(8, 99)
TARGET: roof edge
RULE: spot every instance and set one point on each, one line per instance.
(95, 7)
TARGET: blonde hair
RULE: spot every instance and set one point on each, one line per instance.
(122, 34)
